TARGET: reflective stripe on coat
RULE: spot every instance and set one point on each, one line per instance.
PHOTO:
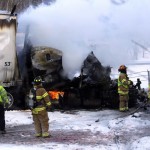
(43, 98)
(123, 84)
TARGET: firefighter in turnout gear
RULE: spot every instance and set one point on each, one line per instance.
(123, 88)
(39, 110)
(4, 102)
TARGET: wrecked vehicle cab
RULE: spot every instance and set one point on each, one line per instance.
(93, 88)
(46, 59)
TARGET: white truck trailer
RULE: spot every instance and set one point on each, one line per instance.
(9, 68)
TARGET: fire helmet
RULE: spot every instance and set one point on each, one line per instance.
(122, 67)
(37, 80)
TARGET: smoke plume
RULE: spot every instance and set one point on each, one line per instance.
(78, 27)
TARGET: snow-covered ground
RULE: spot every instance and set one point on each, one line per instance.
(105, 129)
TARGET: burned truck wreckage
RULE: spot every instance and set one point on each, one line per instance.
(93, 88)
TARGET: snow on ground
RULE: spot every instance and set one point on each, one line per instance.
(107, 130)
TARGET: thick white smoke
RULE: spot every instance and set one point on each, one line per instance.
(79, 26)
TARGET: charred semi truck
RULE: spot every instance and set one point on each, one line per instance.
(93, 88)
(9, 68)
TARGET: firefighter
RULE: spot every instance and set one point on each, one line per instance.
(4, 102)
(123, 88)
(39, 111)
(138, 84)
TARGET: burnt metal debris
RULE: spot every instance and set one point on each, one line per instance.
(93, 88)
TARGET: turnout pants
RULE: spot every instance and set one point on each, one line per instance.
(2, 118)
(41, 122)
(123, 106)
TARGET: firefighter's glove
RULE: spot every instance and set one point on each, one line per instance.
(50, 108)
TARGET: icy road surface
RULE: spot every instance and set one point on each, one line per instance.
(79, 130)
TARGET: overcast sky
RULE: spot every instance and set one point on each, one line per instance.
(74, 25)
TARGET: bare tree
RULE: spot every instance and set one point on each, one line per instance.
(21, 4)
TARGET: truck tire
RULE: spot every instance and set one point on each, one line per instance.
(10, 99)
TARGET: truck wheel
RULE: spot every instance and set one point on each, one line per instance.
(10, 99)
